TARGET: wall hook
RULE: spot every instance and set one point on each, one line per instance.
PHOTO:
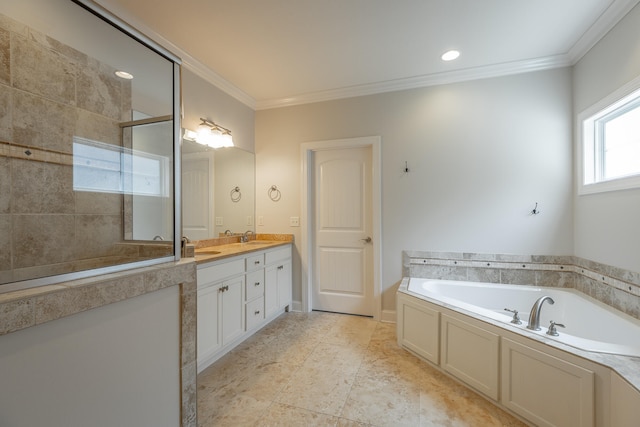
(535, 210)
(406, 167)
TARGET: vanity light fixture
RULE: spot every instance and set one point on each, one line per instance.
(212, 135)
(209, 134)
(450, 55)
(190, 135)
(124, 75)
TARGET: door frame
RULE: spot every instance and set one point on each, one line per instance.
(306, 241)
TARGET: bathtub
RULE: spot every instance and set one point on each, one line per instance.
(589, 324)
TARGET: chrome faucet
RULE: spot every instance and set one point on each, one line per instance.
(245, 236)
(534, 316)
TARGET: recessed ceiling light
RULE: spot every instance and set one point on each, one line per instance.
(450, 55)
(124, 75)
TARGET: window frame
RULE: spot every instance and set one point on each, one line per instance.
(590, 149)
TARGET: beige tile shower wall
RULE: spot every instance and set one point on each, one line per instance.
(49, 93)
(610, 285)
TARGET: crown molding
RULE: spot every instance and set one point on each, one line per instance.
(188, 61)
(605, 22)
(475, 73)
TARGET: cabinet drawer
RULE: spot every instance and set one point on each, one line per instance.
(215, 273)
(255, 262)
(278, 254)
(255, 313)
(254, 285)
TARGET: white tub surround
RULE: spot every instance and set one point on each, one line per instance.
(461, 329)
(615, 388)
(587, 324)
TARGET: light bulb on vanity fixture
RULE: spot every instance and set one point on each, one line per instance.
(210, 134)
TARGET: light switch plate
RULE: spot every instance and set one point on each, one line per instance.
(260, 220)
(218, 220)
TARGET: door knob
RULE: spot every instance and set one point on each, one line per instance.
(367, 240)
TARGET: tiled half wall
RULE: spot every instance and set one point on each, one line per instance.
(610, 285)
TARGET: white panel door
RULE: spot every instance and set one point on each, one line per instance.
(197, 196)
(343, 252)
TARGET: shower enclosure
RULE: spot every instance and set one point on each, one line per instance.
(89, 144)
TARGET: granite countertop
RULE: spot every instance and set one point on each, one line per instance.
(226, 247)
(217, 252)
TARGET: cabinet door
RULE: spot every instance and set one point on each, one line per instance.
(270, 290)
(283, 271)
(231, 309)
(418, 328)
(209, 340)
(625, 403)
(470, 354)
(544, 389)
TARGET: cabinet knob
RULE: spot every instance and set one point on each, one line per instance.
(256, 312)
(256, 284)
(280, 267)
(256, 262)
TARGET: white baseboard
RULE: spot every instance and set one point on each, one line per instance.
(388, 316)
(296, 305)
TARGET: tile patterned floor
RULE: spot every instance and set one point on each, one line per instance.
(325, 369)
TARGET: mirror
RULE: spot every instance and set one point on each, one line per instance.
(218, 191)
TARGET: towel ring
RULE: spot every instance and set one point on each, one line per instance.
(235, 194)
(274, 193)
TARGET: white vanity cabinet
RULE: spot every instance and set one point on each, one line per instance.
(277, 279)
(254, 291)
(220, 298)
(237, 296)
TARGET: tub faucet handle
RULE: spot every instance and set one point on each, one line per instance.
(552, 328)
(516, 319)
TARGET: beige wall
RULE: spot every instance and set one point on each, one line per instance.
(481, 154)
(606, 224)
(201, 99)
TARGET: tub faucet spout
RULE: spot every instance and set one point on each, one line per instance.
(534, 316)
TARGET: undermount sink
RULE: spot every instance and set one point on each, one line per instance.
(207, 252)
(257, 242)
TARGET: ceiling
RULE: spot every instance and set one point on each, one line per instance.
(271, 53)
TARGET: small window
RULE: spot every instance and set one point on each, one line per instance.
(107, 168)
(610, 144)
